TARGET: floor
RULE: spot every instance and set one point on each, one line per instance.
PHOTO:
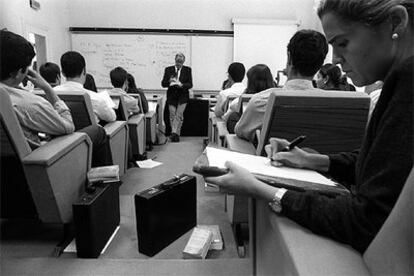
(28, 242)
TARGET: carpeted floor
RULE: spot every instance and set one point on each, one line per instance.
(29, 239)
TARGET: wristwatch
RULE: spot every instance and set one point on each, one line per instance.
(276, 203)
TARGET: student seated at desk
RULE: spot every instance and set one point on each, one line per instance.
(259, 78)
(35, 113)
(119, 81)
(236, 73)
(132, 88)
(307, 50)
(372, 40)
(74, 69)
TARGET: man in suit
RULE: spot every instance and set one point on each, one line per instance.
(178, 79)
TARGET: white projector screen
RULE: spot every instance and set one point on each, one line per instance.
(262, 41)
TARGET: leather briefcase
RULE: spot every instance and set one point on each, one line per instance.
(96, 216)
(165, 212)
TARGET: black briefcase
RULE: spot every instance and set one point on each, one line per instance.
(165, 212)
(96, 216)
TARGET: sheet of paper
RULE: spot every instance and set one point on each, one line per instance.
(148, 164)
(152, 106)
(261, 165)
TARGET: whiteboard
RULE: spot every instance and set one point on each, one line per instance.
(143, 56)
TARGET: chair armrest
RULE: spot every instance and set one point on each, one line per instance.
(222, 131)
(135, 119)
(301, 251)
(48, 153)
(235, 143)
(151, 114)
(113, 128)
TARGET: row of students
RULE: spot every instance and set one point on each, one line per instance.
(36, 114)
(372, 40)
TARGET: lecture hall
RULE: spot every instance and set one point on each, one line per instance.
(221, 137)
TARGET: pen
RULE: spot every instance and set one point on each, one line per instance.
(294, 143)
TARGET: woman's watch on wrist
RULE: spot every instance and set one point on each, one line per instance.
(276, 203)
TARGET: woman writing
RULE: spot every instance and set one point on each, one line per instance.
(372, 40)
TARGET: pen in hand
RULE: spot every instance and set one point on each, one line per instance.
(294, 143)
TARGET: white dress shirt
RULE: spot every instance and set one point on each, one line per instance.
(101, 106)
(234, 91)
(252, 117)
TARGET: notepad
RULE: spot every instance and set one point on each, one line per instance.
(285, 177)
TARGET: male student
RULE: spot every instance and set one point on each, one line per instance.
(119, 81)
(235, 73)
(37, 114)
(74, 69)
(51, 73)
(306, 51)
(179, 80)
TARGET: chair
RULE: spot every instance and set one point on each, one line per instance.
(219, 125)
(41, 183)
(136, 124)
(286, 248)
(82, 114)
(150, 121)
(333, 121)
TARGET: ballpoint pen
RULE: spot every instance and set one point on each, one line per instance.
(294, 143)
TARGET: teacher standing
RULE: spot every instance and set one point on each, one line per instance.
(179, 80)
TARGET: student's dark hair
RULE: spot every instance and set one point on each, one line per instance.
(333, 72)
(118, 76)
(72, 63)
(307, 49)
(259, 78)
(50, 71)
(90, 83)
(15, 53)
(369, 12)
(236, 71)
(131, 81)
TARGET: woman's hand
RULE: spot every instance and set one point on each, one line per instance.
(237, 181)
(295, 158)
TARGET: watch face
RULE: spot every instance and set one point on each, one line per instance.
(275, 206)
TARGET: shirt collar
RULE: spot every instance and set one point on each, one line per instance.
(299, 84)
(73, 84)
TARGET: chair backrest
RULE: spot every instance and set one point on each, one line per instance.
(244, 100)
(228, 101)
(333, 121)
(391, 251)
(138, 97)
(121, 112)
(80, 106)
(16, 199)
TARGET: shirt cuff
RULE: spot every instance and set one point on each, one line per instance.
(60, 107)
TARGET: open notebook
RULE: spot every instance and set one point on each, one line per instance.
(292, 178)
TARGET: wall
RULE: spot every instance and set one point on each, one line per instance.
(186, 14)
(50, 21)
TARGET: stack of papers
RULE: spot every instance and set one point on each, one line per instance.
(104, 174)
(199, 244)
(217, 241)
